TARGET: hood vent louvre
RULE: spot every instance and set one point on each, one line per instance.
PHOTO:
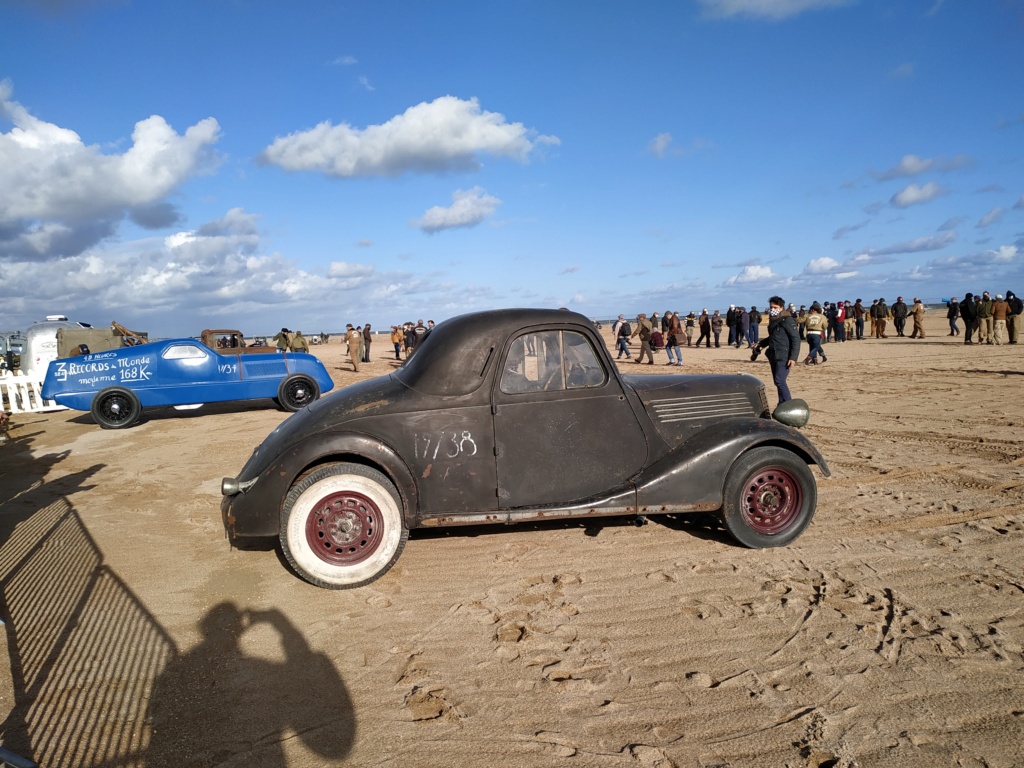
(700, 407)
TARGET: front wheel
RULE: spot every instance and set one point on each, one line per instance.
(116, 408)
(296, 392)
(342, 527)
(770, 497)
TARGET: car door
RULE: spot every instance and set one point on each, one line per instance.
(563, 429)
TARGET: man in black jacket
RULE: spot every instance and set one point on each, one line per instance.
(783, 342)
(1013, 317)
(967, 312)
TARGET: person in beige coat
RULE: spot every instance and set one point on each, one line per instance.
(917, 312)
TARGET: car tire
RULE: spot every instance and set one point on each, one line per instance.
(296, 392)
(342, 526)
(116, 408)
(769, 498)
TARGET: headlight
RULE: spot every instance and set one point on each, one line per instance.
(230, 486)
(792, 413)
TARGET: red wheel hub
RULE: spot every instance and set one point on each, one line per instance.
(771, 500)
(344, 528)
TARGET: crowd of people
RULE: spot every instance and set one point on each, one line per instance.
(986, 320)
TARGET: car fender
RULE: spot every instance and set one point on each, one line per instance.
(696, 470)
(253, 516)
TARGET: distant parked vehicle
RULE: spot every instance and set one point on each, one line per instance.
(117, 384)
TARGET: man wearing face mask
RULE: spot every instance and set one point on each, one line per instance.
(783, 343)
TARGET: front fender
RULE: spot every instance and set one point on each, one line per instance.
(691, 477)
(257, 511)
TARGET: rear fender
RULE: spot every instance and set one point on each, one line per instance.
(696, 470)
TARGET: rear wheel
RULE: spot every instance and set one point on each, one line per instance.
(770, 497)
(296, 392)
(116, 408)
(342, 527)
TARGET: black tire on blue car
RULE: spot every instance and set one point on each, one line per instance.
(769, 497)
(116, 408)
(342, 526)
(297, 391)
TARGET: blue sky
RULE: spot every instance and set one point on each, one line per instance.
(241, 163)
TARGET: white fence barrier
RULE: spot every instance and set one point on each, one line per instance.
(20, 394)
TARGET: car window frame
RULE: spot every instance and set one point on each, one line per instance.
(563, 373)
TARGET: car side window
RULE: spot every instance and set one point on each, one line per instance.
(549, 361)
(183, 352)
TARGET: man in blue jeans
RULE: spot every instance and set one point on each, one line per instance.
(783, 342)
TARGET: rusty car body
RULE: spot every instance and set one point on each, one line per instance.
(515, 415)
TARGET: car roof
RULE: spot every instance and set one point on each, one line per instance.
(452, 358)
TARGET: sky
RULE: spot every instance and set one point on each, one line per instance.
(175, 166)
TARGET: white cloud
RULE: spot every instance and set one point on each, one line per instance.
(469, 208)
(820, 266)
(660, 143)
(447, 134)
(990, 218)
(754, 273)
(768, 9)
(59, 196)
(1006, 253)
(913, 194)
(909, 165)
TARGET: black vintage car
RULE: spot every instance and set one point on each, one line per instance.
(515, 415)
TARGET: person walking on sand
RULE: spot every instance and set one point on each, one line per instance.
(353, 336)
(968, 315)
(880, 313)
(673, 333)
(783, 343)
(814, 324)
(999, 312)
(917, 312)
(643, 332)
(952, 313)
(704, 323)
(1013, 316)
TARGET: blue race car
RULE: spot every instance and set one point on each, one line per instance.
(117, 384)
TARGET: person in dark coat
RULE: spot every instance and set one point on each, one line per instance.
(967, 313)
(783, 343)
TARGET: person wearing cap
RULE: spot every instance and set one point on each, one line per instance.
(879, 314)
(643, 331)
(1000, 309)
(858, 319)
(281, 340)
(717, 321)
(952, 313)
(967, 310)
(691, 325)
(299, 343)
(985, 325)
(814, 324)
(918, 314)
(899, 315)
(704, 323)
(732, 322)
(1013, 317)
(354, 338)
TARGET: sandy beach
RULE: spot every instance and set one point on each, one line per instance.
(890, 634)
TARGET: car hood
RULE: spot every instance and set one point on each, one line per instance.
(680, 405)
(339, 410)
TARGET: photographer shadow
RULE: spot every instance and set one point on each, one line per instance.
(216, 702)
